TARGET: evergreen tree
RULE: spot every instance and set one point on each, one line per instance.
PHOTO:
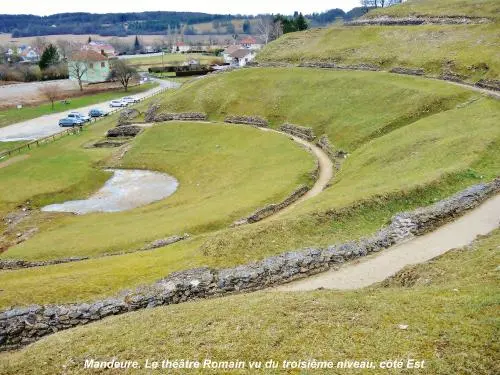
(50, 57)
(301, 23)
(246, 27)
(137, 44)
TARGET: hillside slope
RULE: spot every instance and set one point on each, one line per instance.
(442, 8)
(467, 52)
(440, 312)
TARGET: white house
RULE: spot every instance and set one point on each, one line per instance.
(242, 57)
(226, 54)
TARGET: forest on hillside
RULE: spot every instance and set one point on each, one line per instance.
(122, 24)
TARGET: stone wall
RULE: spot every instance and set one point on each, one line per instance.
(124, 131)
(408, 71)
(182, 116)
(489, 84)
(13, 264)
(413, 21)
(21, 326)
(271, 209)
(248, 120)
(333, 65)
(127, 116)
(298, 131)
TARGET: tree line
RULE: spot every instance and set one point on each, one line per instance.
(123, 24)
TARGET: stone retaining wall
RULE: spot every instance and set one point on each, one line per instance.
(413, 21)
(489, 84)
(248, 120)
(408, 71)
(14, 264)
(152, 115)
(22, 326)
(127, 116)
(271, 209)
(298, 131)
(333, 65)
(182, 116)
(124, 131)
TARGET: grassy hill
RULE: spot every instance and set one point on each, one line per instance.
(392, 126)
(442, 8)
(450, 310)
(465, 52)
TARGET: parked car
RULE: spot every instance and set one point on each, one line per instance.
(130, 99)
(96, 112)
(118, 103)
(70, 122)
(79, 115)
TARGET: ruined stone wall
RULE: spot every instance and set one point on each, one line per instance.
(248, 120)
(298, 131)
(271, 209)
(21, 326)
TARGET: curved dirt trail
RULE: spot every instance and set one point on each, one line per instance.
(379, 266)
(325, 172)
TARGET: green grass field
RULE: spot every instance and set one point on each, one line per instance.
(417, 142)
(449, 304)
(470, 51)
(206, 159)
(13, 115)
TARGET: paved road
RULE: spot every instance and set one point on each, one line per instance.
(378, 267)
(47, 125)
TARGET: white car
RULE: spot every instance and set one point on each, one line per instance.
(130, 99)
(118, 103)
(79, 115)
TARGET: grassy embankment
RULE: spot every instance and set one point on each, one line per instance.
(468, 51)
(14, 115)
(449, 305)
(406, 156)
(443, 8)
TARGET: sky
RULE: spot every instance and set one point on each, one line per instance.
(47, 7)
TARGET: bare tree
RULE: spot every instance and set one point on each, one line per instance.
(65, 47)
(266, 29)
(77, 69)
(40, 43)
(50, 92)
(123, 72)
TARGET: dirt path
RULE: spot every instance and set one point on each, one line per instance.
(380, 266)
(325, 173)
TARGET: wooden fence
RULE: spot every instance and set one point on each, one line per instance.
(73, 130)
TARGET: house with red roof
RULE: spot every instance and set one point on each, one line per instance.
(250, 42)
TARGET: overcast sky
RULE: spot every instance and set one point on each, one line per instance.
(46, 7)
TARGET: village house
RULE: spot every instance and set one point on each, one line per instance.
(226, 54)
(100, 47)
(95, 66)
(242, 57)
(250, 43)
